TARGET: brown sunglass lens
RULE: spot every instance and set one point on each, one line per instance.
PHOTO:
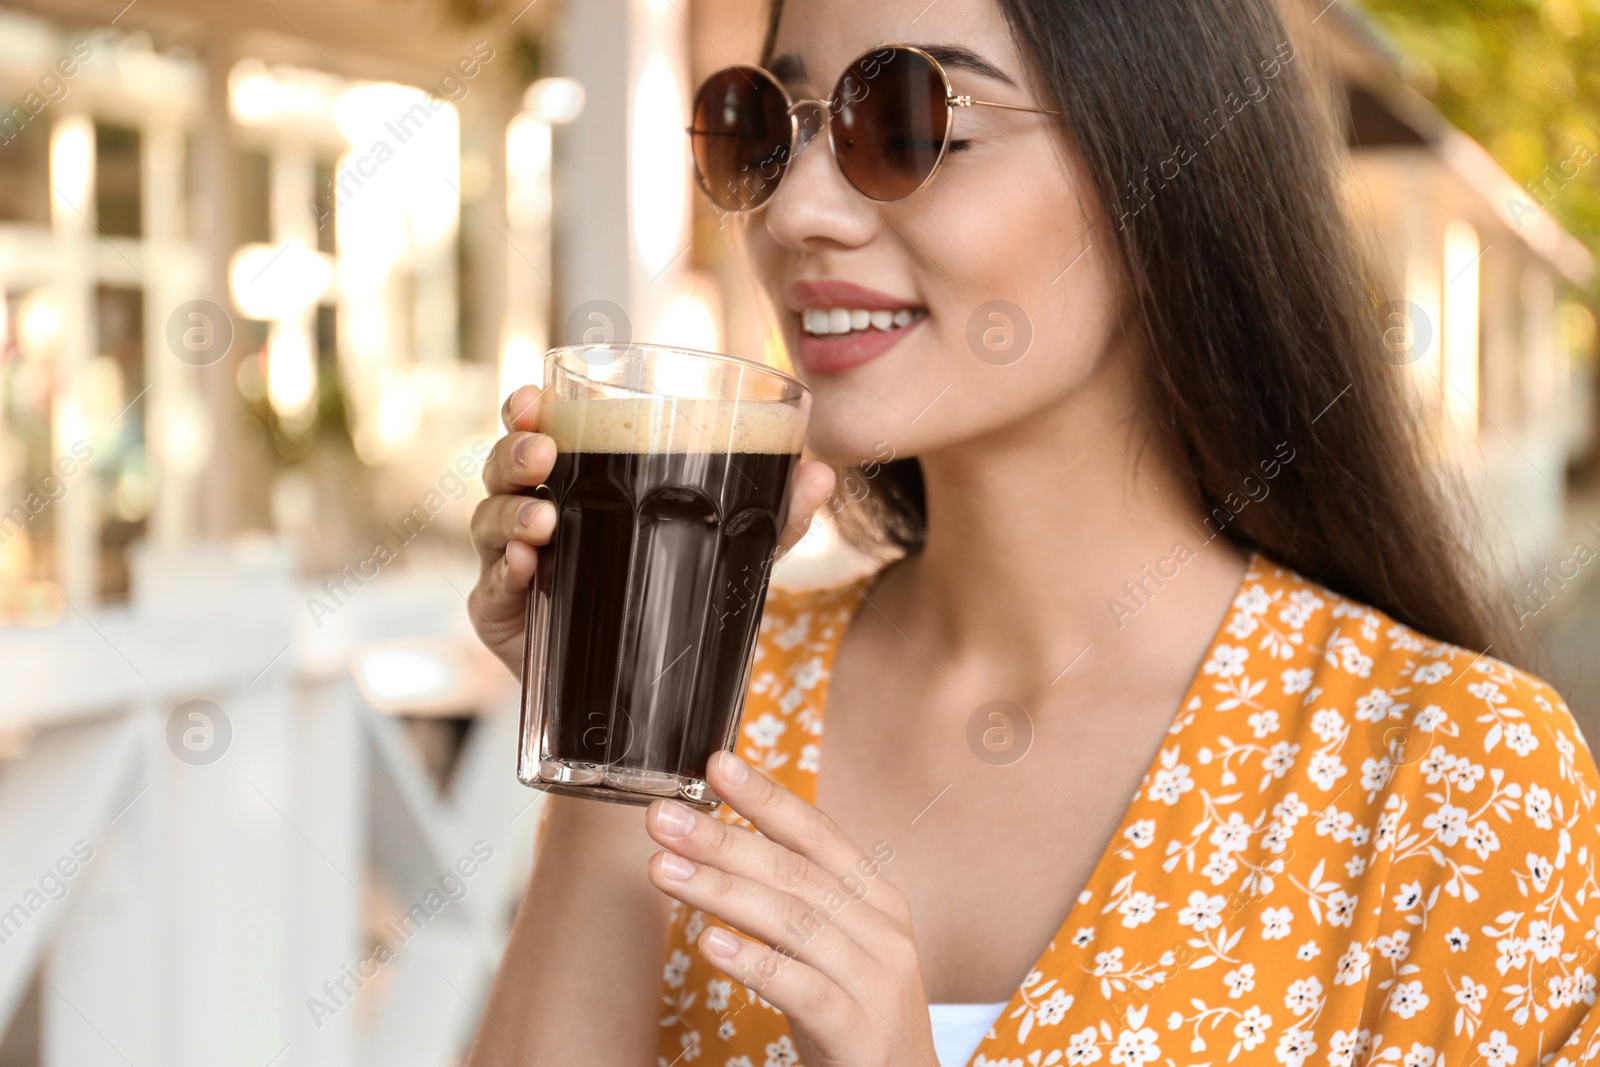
(889, 129)
(740, 137)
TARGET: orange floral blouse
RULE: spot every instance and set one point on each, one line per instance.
(1357, 846)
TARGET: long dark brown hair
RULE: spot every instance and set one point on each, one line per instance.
(1259, 319)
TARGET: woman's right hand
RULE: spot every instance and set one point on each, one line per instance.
(509, 527)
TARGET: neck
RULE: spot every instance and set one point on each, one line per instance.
(1075, 527)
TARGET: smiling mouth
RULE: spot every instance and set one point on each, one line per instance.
(832, 323)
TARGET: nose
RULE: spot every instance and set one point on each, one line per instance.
(814, 204)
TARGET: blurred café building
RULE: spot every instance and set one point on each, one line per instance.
(268, 268)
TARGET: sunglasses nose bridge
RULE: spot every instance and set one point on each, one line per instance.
(810, 117)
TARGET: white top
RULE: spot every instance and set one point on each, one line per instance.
(958, 1029)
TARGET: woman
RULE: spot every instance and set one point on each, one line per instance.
(1178, 548)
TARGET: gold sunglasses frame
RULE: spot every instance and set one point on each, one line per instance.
(952, 100)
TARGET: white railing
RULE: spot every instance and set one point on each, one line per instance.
(198, 891)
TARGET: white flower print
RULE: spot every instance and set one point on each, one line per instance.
(1513, 954)
(1233, 835)
(1430, 718)
(1482, 840)
(691, 1045)
(1540, 870)
(717, 992)
(1170, 783)
(1142, 832)
(1082, 1048)
(1498, 1050)
(1335, 824)
(1489, 691)
(1325, 769)
(1429, 673)
(1544, 940)
(1353, 965)
(1519, 738)
(1138, 907)
(1536, 805)
(1280, 759)
(1471, 995)
(1136, 1047)
(1053, 1009)
(1374, 707)
(1203, 913)
(1307, 951)
(1345, 1046)
(1375, 773)
(1296, 681)
(766, 730)
(1449, 821)
(1294, 1046)
(1275, 923)
(1464, 774)
(1227, 661)
(1457, 940)
(1408, 999)
(810, 673)
(1420, 1056)
(1084, 935)
(1290, 810)
(1395, 946)
(1252, 1027)
(1341, 907)
(1108, 962)
(1240, 981)
(1219, 867)
(1263, 723)
(676, 965)
(1327, 724)
(1303, 996)
(1410, 896)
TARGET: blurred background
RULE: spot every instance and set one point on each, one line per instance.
(268, 269)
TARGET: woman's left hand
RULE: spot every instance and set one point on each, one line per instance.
(834, 948)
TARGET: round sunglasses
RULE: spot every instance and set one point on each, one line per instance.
(889, 120)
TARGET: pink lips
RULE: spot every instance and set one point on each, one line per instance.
(835, 355)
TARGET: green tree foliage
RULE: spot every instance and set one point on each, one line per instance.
(1523, 78)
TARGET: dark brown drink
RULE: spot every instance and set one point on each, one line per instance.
(647, 600)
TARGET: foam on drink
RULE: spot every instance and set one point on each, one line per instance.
(656, 424)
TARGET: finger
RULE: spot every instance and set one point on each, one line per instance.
(499, 520)
(798, 826)
(519, 460)
(807, 932)
(799, 991)
(521, 409)
(808, 896)
(498, 604)
(813, 481)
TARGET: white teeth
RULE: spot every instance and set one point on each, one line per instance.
(824, 321)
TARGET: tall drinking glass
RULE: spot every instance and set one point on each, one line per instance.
(671, 484)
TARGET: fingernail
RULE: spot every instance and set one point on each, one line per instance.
(525, 512)
(736, 770)
(720, 943)
(675, 866)
(519, 452)
(674, 818)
